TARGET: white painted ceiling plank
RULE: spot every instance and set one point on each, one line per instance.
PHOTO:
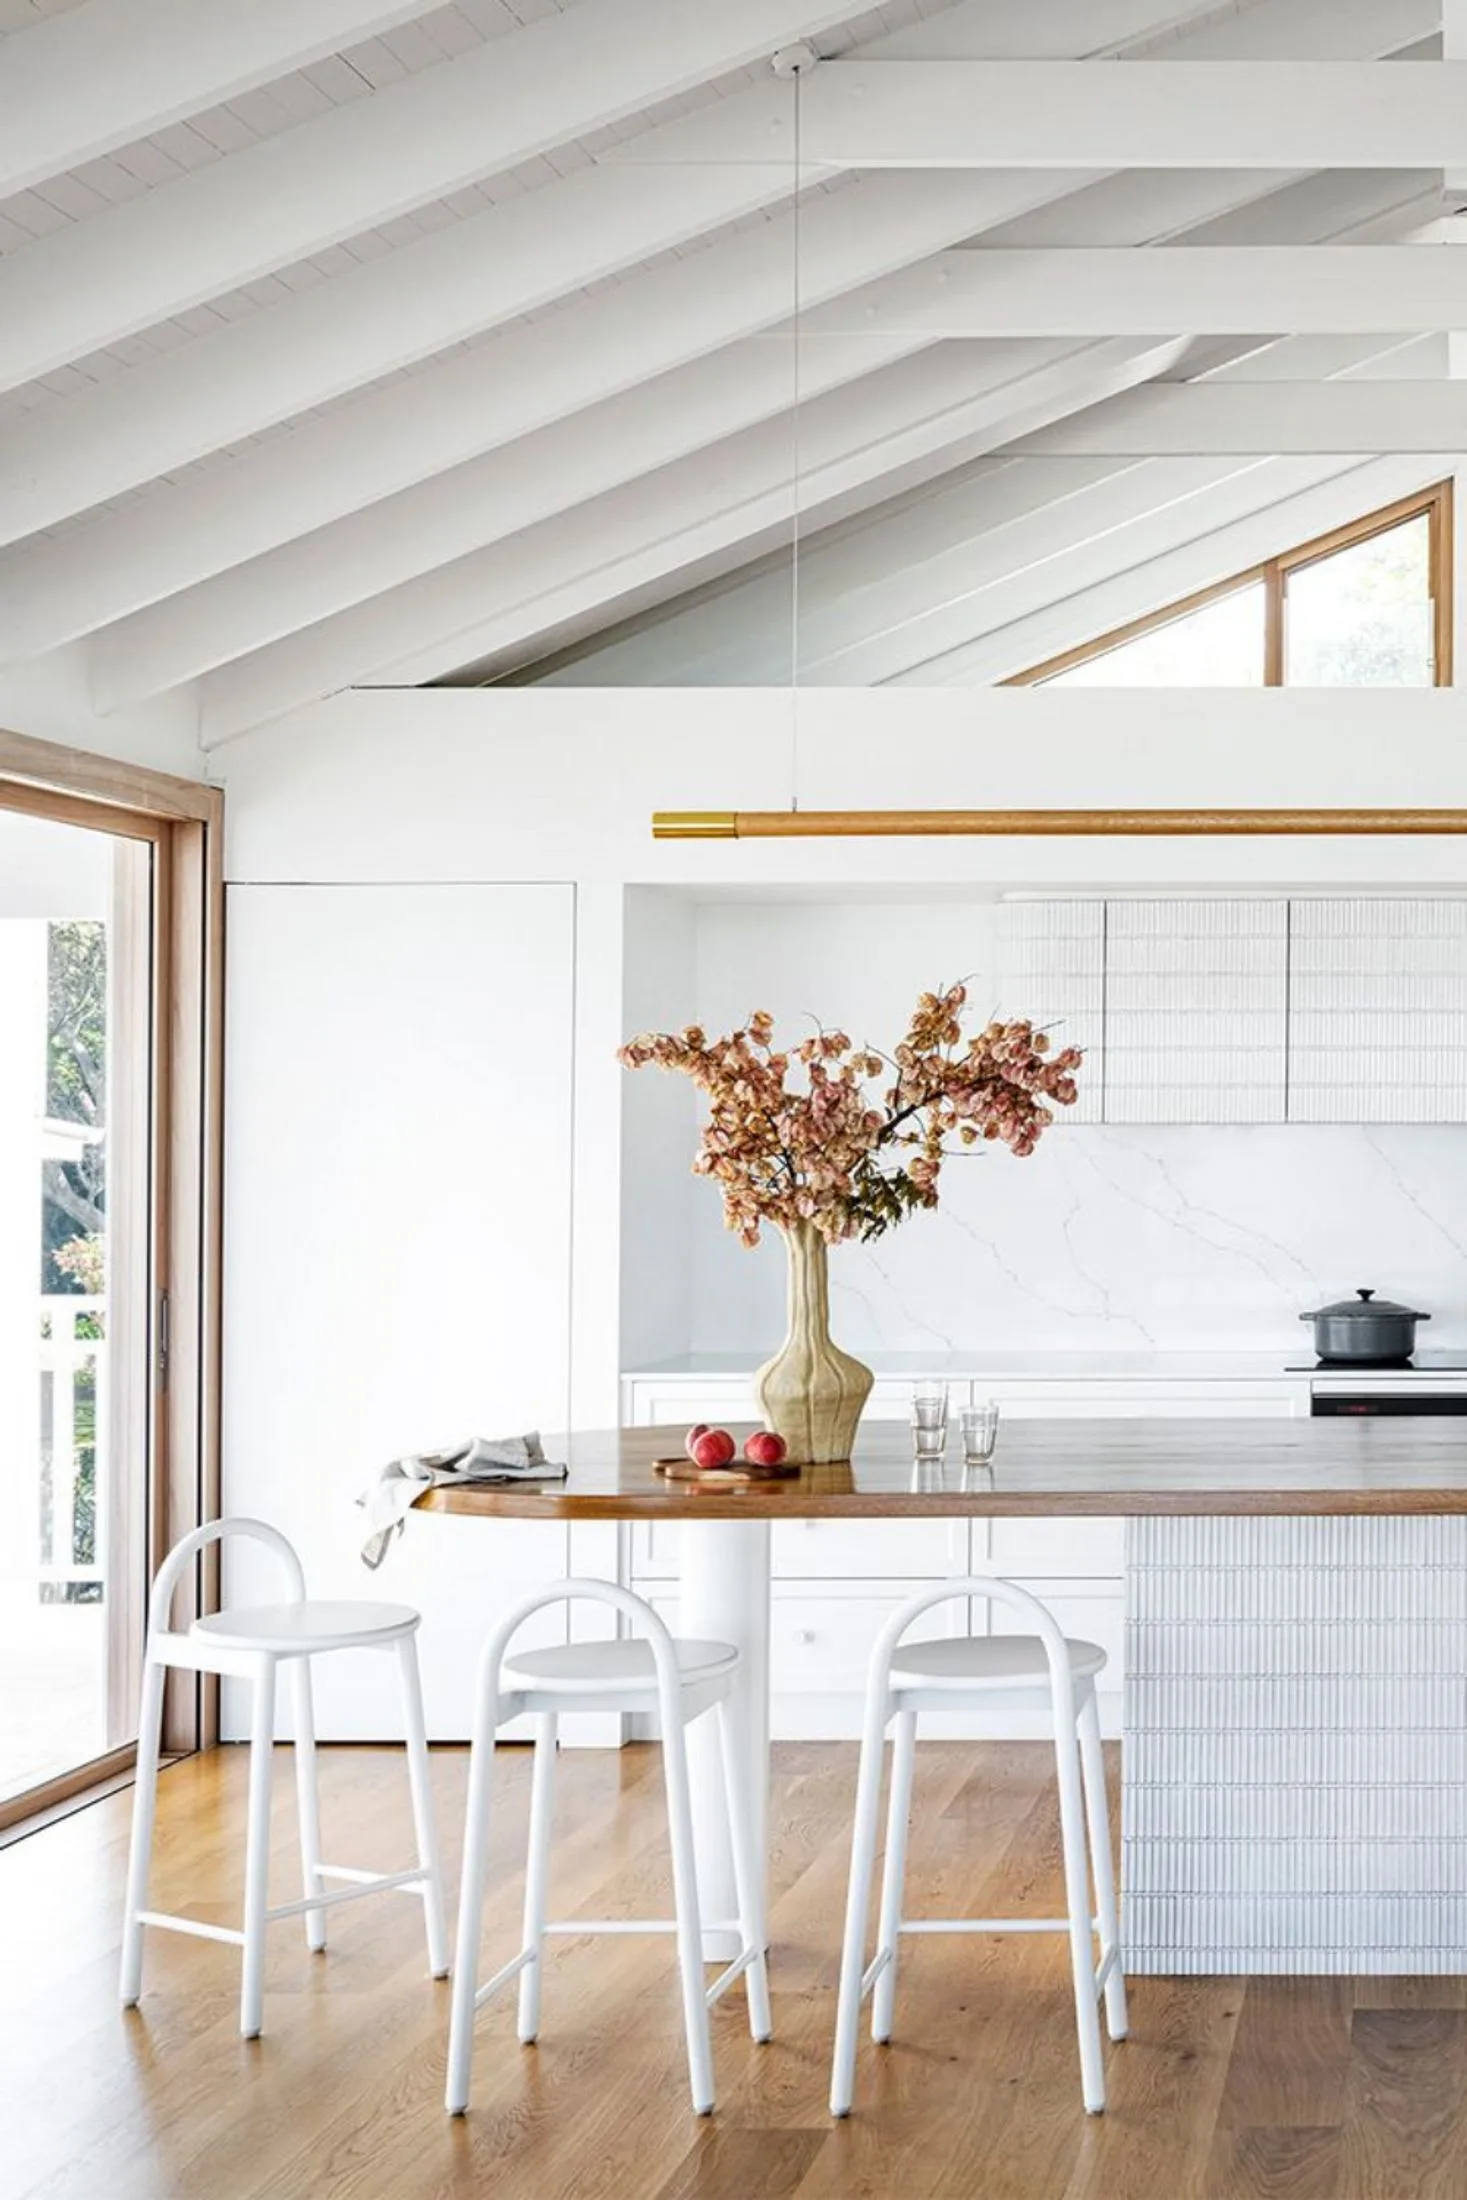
(222, 388)
(1364, 419)
(348, 332)
(285, 197)
(178, 534)
(656, 524)
(101, 75)
(455, 513)
(1220, 290)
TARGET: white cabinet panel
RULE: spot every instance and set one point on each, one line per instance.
(1057, 1548)
(1051, 968)
(857, 1549)
(1196, 997)
(1378, 1019)
(397, 1238)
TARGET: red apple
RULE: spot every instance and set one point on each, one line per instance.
(764, 1448)
(714, 1448)
(699, 1428)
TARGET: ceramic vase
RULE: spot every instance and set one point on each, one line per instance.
(811, 1393)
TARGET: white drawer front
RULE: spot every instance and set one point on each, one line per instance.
(1091, 1611)
(828, 1550)
(823, 1644)
(681, 1400)
(1052, 1547)
(856, 1550)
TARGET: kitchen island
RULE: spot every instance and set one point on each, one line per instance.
(1295, 1739)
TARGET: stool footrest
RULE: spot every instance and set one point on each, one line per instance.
(732, 1971)
(397, 1882)
(373, 1883)
(171, 1923)
(984, 1925)
(504, 1974)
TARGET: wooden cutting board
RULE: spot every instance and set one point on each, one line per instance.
(684, 1469)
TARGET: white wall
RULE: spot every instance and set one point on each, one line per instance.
(403, 787)
(397, 1238)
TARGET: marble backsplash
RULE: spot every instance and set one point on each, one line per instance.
(1133, 1240)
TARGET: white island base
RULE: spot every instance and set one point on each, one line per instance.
(1295, 1752)
(1295, 1743)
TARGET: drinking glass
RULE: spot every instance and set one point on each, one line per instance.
(979, 1427)
(929, 1420)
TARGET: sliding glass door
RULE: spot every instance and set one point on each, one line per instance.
(81, 974)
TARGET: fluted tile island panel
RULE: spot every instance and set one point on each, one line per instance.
(1295, 1790)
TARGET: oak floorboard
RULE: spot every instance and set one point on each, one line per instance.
(1227, 2089)
(1405, 2128)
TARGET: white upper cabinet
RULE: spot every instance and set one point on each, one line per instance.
(1333, 1010)
(1196, 997)
(1050, 966)
(1378, 1011)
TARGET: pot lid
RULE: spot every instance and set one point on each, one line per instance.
(1365, 1307)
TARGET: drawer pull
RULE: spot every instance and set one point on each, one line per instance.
(804, 1634)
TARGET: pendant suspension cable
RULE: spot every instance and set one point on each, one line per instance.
(793, 62)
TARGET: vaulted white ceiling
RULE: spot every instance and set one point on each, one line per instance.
(345, 342)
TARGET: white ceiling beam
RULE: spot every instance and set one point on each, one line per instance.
(1147, 114)
(342, 334)
(454, 513)
(77, 85)
(1218, 290)
(180, 533)
(863, 585)
(757, 125)
(220, 389)
(1266, 419)
(726, 493)
(285, 197)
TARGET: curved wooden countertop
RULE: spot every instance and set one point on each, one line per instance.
(1039, 1467)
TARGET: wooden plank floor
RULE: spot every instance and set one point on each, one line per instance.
(1227, 2089)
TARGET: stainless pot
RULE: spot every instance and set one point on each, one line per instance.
(1365, 1331)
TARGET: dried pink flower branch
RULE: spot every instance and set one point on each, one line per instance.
(827, 1151)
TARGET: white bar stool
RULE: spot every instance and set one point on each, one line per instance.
(676, 1680)
(1038, 1671)
(249, 1644)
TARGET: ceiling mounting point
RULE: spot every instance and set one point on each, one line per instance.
(794, 60)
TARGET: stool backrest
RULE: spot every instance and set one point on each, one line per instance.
(185, 1551)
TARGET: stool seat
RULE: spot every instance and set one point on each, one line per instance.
(315, 1623)
(987, 1661)
(589, 1668)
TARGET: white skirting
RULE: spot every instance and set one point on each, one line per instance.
(1295, 1769)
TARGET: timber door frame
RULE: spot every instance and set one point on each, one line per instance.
(183, 821)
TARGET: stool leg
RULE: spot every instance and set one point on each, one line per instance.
(1077, 1901)
(1092, 1765)
(257, 1852)
(748, 1876)
(144, 1804)
(689, 1925)
(537, 1872)
(424, 1824)
(858, 1901)
(471, 1904)
(894, 1872)
(307, 1800)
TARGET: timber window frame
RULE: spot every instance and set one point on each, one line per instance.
(1273, 574)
